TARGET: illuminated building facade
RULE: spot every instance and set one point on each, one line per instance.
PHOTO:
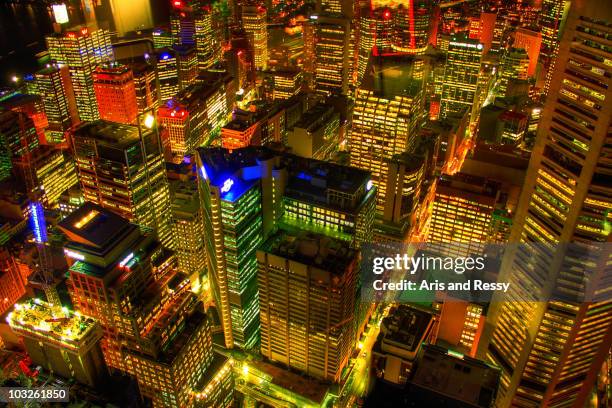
(12, 281)
(550, 351)
(330, 199)
(531, 42)
(47, 171)
(376, 34)
(61, 341)
(145, 85)
(332, 49)
(207, 39)
(187, 63)
(183, 119)
(233, 224)
(154, 326)
(552, 20)
(18, 139)
(255, 25)
(512, 127)
(286, 83)
(238, 133)
(245, 194)
(307, 285)
(387, 108)
(460, 76)
(121, 167)
(461, 214)
(193, 117)
(412, 26)
(515, 66)
(188, 228)
(115, 93)
(69, 201)
(317, 134)
(167, 73)
(55, 88)
(82, 50)
(162, 39)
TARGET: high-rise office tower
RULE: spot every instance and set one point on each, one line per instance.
(460, 76)
(154, 327)
(307, 285)
(412, 26)
(552, 21)
(115, 93)
(167, 73)
(182, 25)
(188, 228)
(462, 213)
(338, 7)
(162, 38)
(245, 194)
(515, 66)
(332, 50)
(376, 35)
(388, 106)
(47, 171)
(187, 64)
(487, 29)
(55, 88)
(82, 49)
(207, 39)
(18, 138)
(549, 344)
(530, 41)
(254, 22)
(233, 224)
(191, 117)
(121, 167)
(145, 85)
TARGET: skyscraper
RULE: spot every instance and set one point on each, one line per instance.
(167, 73)
(460, 76)
(388, 106)
(115, 93)
(54, 86)
(208, 45)
(332, 49)
(82, 49)
(515, 66)
(248, 192)
(121, 168)
(550, 351)
(154, 326)
(530, 41)
(376, 35)
(233, 224)
(412, 26)
(307, 286)
(254, 22)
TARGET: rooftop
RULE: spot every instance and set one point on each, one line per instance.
(55, 323)
(405, 325)
(323, 252)
(94, 226)
(443, 375)
(394, 75)
(106, 133)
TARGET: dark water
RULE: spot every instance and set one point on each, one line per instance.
(23, 28)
